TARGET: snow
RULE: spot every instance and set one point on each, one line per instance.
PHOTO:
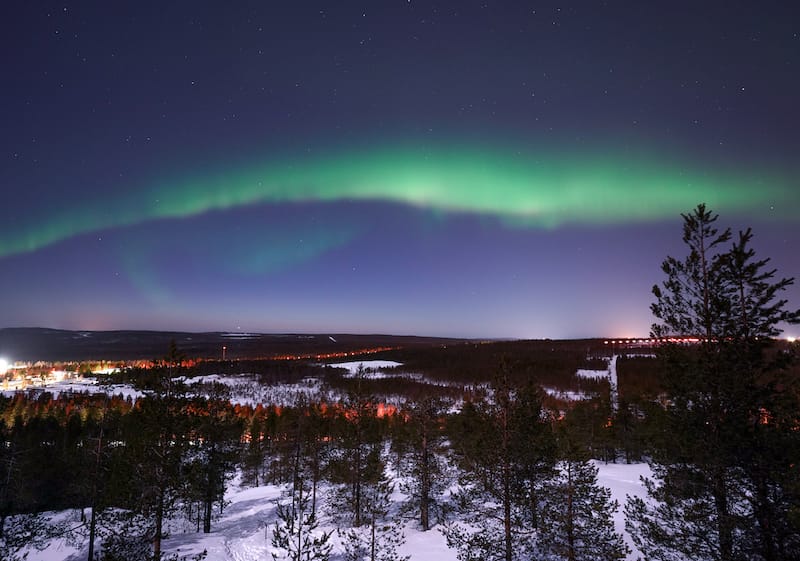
(369, 366)
(243, 532)
(427, 546)
(594, 374)
(77, 385)
(245, 389)
(610, 373)
(567, 395)
(623, 480)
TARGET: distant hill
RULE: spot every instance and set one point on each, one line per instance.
(61, 345)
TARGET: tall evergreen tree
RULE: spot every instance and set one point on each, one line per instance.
(720, 489)
(356, 457)
(211, 453)
(254, 453)
(428, 473)
(496, 442)
(578, 523)
(156, 444)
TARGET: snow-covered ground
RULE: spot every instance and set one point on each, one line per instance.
(244, 389)
(610, 373)
(371, 367)
(243, 532)
(567, 395)
(592, 374)
(379, 369)
(623, 480)
(79, 385)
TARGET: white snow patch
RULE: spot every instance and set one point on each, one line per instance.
(367, 365)
(567, 395)
(593, 374)
(623, 480)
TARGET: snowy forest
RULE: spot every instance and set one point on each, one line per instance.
(468, 441)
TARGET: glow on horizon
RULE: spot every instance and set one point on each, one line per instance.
(525, 191)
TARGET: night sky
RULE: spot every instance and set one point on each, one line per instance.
(468, 169)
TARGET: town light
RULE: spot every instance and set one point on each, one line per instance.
(3, 366)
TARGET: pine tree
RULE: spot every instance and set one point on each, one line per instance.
(497, 442)
(379, 538)
(721, 489)
(295, 536)
(688, 301)
(23, 525)
(156, 445)
(578, 523)
(356, 456)
(211, 455)
(428, 473)
(255, 452)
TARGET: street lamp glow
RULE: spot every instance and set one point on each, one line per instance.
(3, 366)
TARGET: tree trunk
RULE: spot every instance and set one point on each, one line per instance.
(357, 485)
(507, 511)
(506, 491)
(764, 517)
(159, 524)
(92, 532)
(315, 479)
(720, 494)
(209, 506)
(425, 485)
(534, 506)
(570, 516)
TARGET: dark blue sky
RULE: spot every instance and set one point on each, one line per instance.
(445, 168)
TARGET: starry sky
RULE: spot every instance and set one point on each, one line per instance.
(466, 169)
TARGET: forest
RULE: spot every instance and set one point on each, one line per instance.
(476, 445)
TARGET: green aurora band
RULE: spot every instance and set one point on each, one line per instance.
(522, 191)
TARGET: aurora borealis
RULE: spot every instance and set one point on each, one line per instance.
(453, 169)
(547, 193)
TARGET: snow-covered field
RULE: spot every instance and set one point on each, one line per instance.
(243, 532)
(246, 390)
(79, 385)
(372, 368)
(379, 369)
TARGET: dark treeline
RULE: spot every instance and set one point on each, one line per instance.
(546, 361)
